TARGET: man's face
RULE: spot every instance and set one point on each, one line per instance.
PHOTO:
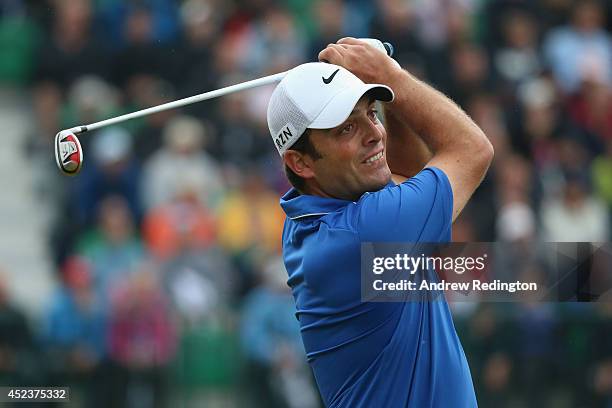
(353, 158)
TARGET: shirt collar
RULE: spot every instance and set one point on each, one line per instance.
(298, 205)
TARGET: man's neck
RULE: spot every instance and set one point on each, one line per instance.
(316, 190)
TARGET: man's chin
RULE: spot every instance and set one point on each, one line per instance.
(380, 183)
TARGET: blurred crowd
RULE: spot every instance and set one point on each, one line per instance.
(167, 244)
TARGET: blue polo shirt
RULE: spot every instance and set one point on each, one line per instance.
(373, 354)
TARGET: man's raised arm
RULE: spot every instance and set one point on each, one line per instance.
(458, 145)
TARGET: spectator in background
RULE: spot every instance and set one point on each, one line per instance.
(112, 247)
(249, 221)
(201, 284)
(181, 225)
(486, 110)
(238, 142)
(330, 18)
(144, 91)
(112, 170)
(274, 36)
(551, 139)
(572, 158)
(514, 180)
(163, 15)
(516, 221)
(142, 342)
(394, 21)
(518, 59)
(192, 62)
(183, 155)
(250, 216)
(278, 375)
(74, 334)
(487, 113)
(141, 54)
(577, 217)
(441, 21)
(537, 124)
(71, 50)
(454, 29)
(469, 71)
(581, 49)
(591, 108)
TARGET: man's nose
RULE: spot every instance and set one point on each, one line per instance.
(372, 134)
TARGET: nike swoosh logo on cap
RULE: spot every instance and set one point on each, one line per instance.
(328, 80)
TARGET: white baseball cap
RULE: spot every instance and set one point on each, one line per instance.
(315, 95)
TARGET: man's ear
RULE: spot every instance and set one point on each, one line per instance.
(299, 163)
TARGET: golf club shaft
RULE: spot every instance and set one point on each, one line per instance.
(270, 79)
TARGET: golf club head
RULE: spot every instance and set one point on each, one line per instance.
(68, 152)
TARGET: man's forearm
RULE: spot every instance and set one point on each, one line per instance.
(436, 119)
(406, 152)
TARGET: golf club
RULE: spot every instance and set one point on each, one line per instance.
(68, 150)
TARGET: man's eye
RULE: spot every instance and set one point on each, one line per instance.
(347, 128)
(374, 115)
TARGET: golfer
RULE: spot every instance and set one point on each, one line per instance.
(357, 181)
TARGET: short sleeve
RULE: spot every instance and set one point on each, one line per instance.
(417, 210)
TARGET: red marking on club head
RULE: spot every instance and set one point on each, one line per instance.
(68, 153)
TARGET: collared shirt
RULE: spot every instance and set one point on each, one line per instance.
(367, 354)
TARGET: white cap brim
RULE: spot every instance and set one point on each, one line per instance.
(340, 106)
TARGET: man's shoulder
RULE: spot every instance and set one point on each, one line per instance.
(324, 225)
(396, 211)
(427, 182)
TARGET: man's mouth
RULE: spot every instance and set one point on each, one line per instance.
(373, 159)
